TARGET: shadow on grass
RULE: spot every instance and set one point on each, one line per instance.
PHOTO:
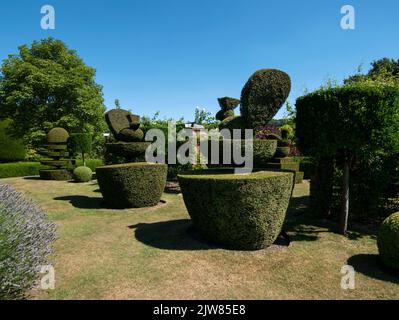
(371, 266)
(33, 178)
(170, 235)
(83, 202)
(181, 235)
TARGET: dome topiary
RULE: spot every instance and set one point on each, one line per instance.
(132, 185)
(57, 135)
(263, 95)
(388, 241)
(82, 174)
(244, 212)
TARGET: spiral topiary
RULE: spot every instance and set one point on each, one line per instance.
(388, 241)
(82, 174)
(263, 95)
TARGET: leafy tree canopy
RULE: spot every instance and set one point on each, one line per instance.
(48, 85)
(383, 70)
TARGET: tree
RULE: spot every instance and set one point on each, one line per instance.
(81, 143)
(385, 70)
(348, 124)
(48, 85)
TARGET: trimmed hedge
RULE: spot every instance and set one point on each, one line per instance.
(55, 174)
(132, 185)
(82, 174)
(263, 95)
(57, 135)
(23, 169)
(130, 151)
(263, 152)
(19, 169)
(243, 212)
(11, 149)
(388, 241)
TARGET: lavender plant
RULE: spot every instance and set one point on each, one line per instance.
(26, 235)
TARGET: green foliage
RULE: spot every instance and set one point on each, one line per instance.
(237, 211)
(203, 117)
(57, 135)
(82, 174)
(11, 149)
(47, 85)
(80, 142)
(122, 152)
(132, 185)
(355, 119)
(388, 241)
(384, 71)
(227, 103)
(19, 169)
(55, 174)
(263, 95)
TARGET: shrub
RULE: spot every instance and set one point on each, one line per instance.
(132, 185)
(19, 169)
(263, 95)
(263, 151)
(55, 174)
(11, 149)
(57, 135)
(227, 103)
(237, 211)
(82, 174)
(388, 241)
(25, 239)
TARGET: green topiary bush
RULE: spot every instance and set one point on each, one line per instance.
(132, 185)
(55, 174)
(82, 174)
(243, 212)
(388, 241)
(227, 103)
(263, 95)
(263, 151)
(57, 135)
(11, 149)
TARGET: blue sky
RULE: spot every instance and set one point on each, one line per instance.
(173, 55)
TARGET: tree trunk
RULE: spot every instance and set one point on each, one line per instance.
(343, 224)
(83, 158)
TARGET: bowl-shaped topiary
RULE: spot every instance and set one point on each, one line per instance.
(237, 211)
(82, 174)
(263, 95)
(388, 241)
(132, 185)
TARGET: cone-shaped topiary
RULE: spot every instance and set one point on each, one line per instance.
(263, 95)
(82, 174)
(388, 241)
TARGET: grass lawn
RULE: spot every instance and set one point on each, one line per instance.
(148, 254)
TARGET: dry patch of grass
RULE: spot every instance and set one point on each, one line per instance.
(148, 254)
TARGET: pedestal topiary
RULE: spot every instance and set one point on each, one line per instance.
(57, 139)
(132, 185)
(244, 212)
